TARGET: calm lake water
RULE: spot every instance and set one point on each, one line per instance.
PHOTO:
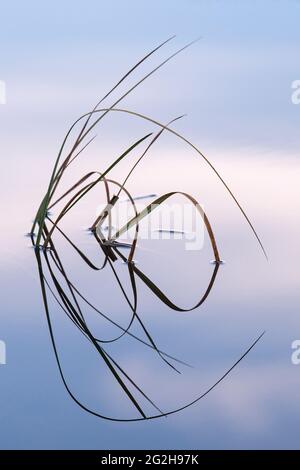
(251, 133)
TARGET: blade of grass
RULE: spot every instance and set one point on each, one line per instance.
(181, 137)
(83, 193)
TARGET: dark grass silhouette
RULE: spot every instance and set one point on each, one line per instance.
(50, 266)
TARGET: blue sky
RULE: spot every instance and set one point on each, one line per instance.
(240, 72)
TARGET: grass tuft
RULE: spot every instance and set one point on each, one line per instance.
(54, 279)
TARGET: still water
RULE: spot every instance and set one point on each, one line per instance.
(251, 407)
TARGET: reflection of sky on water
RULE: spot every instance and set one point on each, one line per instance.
(240, 75)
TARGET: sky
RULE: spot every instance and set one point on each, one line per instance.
(235, 87)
